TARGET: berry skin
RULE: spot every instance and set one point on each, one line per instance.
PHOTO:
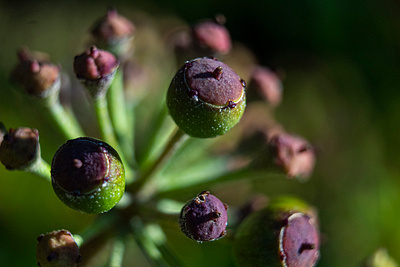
(204, 218)
(57, 249)
(285, 234)
(88, 175)
(206, 98)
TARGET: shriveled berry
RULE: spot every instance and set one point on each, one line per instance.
(57, 249)
(206, 98)
(204, 218)
(88, 175)
(265, 84)
(293, 154)
(36, 75)
(212, 37)
(19, 148)
(283, 234)
(96, 69)
(114, 33)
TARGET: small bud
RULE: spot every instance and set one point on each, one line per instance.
(114, 33)
(293, 154)
(20, 148)
(57, 249)
(212, 37)
(204, 218)
(219, 100)
(37, 76)
(88, 175)
(283, 234)
(265, 84)
(96, 69)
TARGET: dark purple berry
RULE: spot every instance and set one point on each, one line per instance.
(88, 175)
(204, 218)
(206, 98)
(283, 234)
(57, 249)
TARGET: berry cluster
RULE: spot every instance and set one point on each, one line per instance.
(125, 174)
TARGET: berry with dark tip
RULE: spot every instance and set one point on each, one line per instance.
(57, 249)
(285, 234)
(88, 175)
(96, 69)
(206, 98)
(204, 218)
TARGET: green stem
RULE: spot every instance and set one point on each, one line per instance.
(107, 132)
(40, 168)
(177, 139)
(117, 253)
(118, 113)
(65, 123)
(103, 119)
(241, 174)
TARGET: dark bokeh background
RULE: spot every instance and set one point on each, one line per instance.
(342, 74)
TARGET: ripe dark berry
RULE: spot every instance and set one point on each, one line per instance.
(206, 98)
(204, 218)
(88, 175)
(285, 234)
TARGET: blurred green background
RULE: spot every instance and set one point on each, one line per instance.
(341, 61)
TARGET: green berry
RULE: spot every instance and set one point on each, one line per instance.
(285, 234)
(57, 249)
(88, 175)
(206, 98)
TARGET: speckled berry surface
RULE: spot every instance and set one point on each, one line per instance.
(88, 175)
(204, 218)
(206, 98)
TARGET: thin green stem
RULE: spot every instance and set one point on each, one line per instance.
(40, 168)
(118, 113)
(65, 123)
(107, 132)
(176, 141)
(103, 119)
(117, 253)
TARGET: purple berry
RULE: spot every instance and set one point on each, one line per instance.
(88, 175)
(204, 218)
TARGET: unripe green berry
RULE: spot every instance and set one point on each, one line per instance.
(285, 234)
(206, 98)
(57, 249)
(88, 175)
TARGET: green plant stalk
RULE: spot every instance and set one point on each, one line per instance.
(65, 123)
(123, 127)
(175, 141)
(40, 168)
(117, 253)
(107, 131)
